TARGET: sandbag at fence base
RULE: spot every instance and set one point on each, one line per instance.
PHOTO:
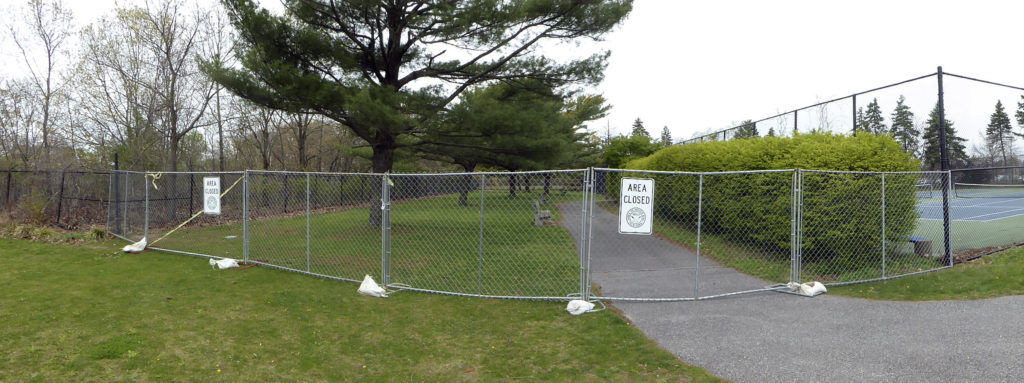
(136, 247)
(810, 289)
(577, 307)
(226, 263)
(371, 288)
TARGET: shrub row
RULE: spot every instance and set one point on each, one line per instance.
(842, 212)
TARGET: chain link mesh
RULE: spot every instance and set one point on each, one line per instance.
(551, 234)
(864, 226)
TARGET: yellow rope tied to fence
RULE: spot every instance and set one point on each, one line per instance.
(225, 192)
(154, 176)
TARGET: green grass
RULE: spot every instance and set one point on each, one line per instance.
(435, 244)
(992, 276)
(90, 313)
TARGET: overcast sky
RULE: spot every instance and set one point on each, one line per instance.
(698, 66)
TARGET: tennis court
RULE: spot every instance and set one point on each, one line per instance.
(981, 215)
(977, 203)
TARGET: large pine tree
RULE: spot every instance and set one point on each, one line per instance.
(955, 148)
(388, 70)
(1000, 133)
(903, 129)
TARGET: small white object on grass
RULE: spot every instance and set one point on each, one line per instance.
(371, 288)
(231, 237)
(811, 289)
(136, 247)
(577, 307)
(226, 263)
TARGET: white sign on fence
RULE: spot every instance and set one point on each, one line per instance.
(636, 206)
(211, 195)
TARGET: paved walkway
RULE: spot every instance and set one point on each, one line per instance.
(775, 337)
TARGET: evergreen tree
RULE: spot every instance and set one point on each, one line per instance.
(1000, 133)
(1020, 115)
(639, 130)
(954, 144)
(387, 70)
(903, 129)
(771, 132)
(873, 120)
(666, 137)
(747, 129)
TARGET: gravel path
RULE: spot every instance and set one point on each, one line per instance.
(774, 337)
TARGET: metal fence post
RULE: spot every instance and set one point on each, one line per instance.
(700, 217)
(793, 274)
(60, 198)
(589, 234)
(884, 244)
(245, 216)
(948, 183)
(385, 229)
(583, 234)
(7, 195)
(145, 184)
(480, 246)
(944, 159)
(307, 224)
(855, 113)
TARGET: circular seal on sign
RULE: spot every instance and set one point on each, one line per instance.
(635, 217)
(211, 203)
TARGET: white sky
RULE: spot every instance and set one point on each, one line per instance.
(698, 66)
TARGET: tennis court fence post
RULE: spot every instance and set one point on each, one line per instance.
(947, 184)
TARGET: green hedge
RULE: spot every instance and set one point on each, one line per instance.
(841, 211)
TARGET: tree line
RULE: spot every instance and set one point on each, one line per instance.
(922, 140)
(327, 86)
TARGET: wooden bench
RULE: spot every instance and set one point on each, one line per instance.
(922, 246)
(540, 217)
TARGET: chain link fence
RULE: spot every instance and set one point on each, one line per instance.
(67, 199)
(556, 234)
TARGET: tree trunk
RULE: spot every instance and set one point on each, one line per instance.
(383, 159)
(511, 185)
(467, 184)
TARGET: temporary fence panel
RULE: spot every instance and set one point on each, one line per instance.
(558, 234)
(196, 213)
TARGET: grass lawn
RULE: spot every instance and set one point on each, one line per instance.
(992, 276)
(436, 244)
(89, 313)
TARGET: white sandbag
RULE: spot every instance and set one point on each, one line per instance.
(226, 263)
(577, 307)
(371, 288)
(136, 247)
(810, 289)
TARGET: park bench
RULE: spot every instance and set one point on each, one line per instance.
(540, 217)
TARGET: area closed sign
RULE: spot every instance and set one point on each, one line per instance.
(211, 195)
(636, 206)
